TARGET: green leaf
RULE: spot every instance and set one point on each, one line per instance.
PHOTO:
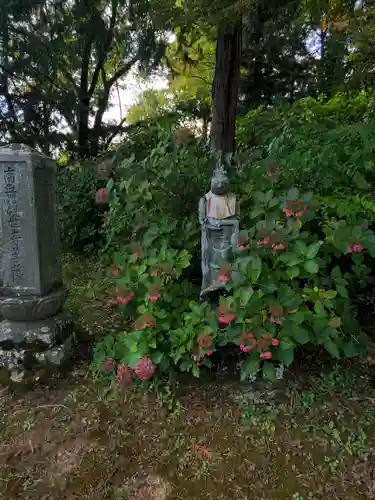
(313, 250)
(336, 273)
(288, 256)
(293, 272)
(293, 194)
(195, 371)
(257, 211)
(133, 359)
(287, 343)
(297, 318)
(185, 365)
(245, 296)
(350, 349)
(332, 348)
(268, 196)
(244, 263)
(288, 298)
(110, 184)
(307, 197)
(360, 181)
(294, 262)
(311, 266)
(255, 268)
(157, 357)
(300, 247)
(319, 308)
(152, 343)
(269, 371)
(357, 258)
(342, 291)
(301, 335)
(249, 367)
(285, 356)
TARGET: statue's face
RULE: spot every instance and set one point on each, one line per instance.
(220, 184)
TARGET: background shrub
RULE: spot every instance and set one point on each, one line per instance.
(80, 219)
(159, 194)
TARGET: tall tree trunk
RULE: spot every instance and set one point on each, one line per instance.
(225, 87)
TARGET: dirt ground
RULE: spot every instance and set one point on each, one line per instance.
(309, 436)
(301, 439)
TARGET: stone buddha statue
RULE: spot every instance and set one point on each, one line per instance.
(219, 218)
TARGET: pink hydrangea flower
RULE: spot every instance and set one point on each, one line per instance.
(245, 348)
(126, 299)
(225, 319)
(265, 241)
(266, 355)
(102, 196)
(223, 277)
(355, 248)
(288, 212)
(145, 369)
(279, 247)
(154, 298)
(242, 248)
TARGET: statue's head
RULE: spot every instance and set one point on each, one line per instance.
(220, 183)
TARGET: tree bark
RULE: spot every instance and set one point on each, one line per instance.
(225, 87)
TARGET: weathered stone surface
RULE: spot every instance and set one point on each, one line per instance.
(219, 217)
(22, 364)
(34, 335)
(32, 307)
(29, 233)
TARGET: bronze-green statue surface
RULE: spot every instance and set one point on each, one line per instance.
(219, 218)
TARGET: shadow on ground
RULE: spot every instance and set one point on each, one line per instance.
(310, 438)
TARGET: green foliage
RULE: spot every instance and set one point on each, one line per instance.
(191, 60)
(261, 126)
(164, 319)
(79, 217)
(62, 62)
(321, 146)
(290, 284)
(158, 194)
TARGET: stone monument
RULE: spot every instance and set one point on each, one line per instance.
(34, 332)
(219, 218)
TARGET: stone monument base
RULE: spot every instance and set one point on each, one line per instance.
(28, 350)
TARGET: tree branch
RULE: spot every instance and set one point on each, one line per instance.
(34, 38)
(122, 71)
(105, 49)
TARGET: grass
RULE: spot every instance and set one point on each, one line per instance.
(307, 437)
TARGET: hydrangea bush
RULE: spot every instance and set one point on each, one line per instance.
(289, 285)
